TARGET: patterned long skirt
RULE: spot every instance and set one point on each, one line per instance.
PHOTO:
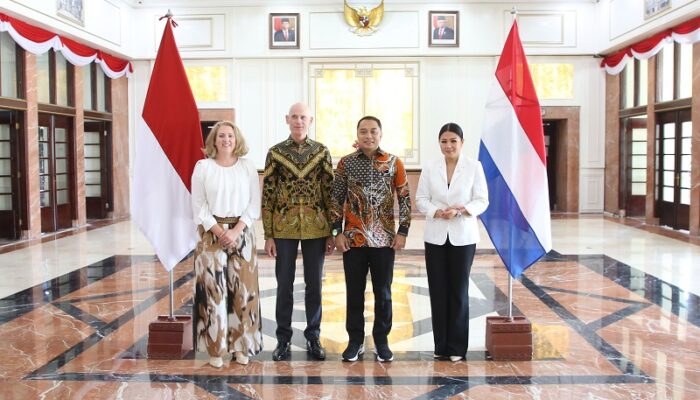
(227, 299)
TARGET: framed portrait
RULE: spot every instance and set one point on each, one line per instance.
(73, 10)
(444, 29)
(654, 7)
(284, 31)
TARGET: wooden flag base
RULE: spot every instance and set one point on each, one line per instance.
(170, 339)
(509, 339)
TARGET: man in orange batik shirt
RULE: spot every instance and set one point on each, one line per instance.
(363, 194)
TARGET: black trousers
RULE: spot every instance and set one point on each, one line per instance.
(313, 254)
(448, 270)
(380, 263)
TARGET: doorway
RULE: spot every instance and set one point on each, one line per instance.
(633, 165)
(673, 164)
(98, 167)
(550, 142)
(11, 189)
(56, 188)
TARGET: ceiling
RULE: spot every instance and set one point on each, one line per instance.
(297, 3)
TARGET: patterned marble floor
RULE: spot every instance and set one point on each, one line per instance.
(608, 322)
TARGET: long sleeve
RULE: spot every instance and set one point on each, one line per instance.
(252, 211)
(201, 212)
(423, 196)
(340, 193)
(480, 194)
(269, 194)
(327, 184)
(403, 196)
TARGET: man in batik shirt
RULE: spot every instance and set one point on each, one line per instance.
(295, 206)
(363, 194)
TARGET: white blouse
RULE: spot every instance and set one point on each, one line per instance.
(468, 189)
(225, 192)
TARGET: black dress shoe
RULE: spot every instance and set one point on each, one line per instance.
(281, 352)
(313, 346)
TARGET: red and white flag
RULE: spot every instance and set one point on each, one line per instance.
(168, 144)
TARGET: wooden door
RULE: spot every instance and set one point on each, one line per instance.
(10, 193)
(673, 168)
(56, 188)
(98, 165)
(633, 166)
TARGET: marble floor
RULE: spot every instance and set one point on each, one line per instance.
(615, 312)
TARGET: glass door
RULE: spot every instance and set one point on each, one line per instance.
(673, 163)
(10, 194)
(56, 189)
(98, 186)
(633, 165)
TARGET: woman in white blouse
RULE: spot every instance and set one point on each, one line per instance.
(451, 193)
(225, 204)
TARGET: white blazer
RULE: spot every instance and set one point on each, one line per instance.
(468, 189)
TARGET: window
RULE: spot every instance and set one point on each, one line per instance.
(96, 89)
(10, 66)
(633, 81)
(209, 83)
(54, 79)
(553, 81)
(341, 94)
(674, 72)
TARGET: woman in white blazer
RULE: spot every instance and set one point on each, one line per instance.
(451, 193)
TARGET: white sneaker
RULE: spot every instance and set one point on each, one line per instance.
(216, 362)
(241, 358)
(456, 358)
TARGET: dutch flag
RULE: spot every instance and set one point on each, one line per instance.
(512, 153)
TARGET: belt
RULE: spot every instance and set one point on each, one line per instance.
(230, 221)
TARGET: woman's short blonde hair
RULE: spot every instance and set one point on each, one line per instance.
(209, 149)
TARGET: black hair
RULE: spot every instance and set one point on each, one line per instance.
(451, 127)
(375, 119)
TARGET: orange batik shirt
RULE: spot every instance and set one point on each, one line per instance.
(363, 195)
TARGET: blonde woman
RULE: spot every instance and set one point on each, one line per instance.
(225, 204)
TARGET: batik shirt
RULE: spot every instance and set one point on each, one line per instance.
(363, 193)
(296, 190)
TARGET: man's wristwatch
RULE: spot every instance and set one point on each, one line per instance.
(335, 232)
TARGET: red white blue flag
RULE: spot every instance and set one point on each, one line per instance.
(168, 145)
(512, 152)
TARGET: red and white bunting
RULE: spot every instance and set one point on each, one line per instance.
(38, 41)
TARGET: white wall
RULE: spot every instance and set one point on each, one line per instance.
(264, 82)
(624, 22)
(106, 26)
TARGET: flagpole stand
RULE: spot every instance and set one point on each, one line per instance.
(170, 336)
(509, 338)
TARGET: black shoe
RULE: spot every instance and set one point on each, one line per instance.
(383, 352)
(353, 351)
(281, 352)
(313, 346)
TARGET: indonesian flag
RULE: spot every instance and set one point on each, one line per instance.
(512, 153)
(168, 144)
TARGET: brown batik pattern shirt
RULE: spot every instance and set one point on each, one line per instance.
(296, 190)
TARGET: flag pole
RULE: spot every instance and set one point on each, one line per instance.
(514, 13)
(510, 297)
(172, 301)
(169, 16)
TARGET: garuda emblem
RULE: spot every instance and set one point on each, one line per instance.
(363, 22)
